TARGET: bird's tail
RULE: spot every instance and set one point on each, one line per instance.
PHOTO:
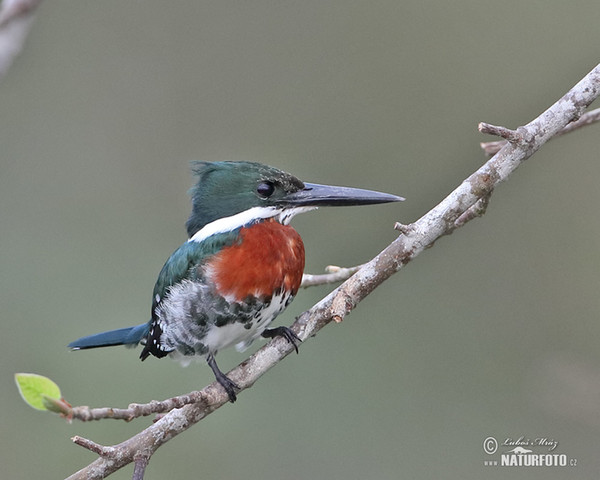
(123, 336)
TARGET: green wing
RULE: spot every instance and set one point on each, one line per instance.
(183, 263)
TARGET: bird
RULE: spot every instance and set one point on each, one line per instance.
(240, 268)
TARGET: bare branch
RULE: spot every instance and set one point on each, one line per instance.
(442, 219)
(588, 118)
(466, 202)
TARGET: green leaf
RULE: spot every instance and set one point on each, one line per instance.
(39, 392)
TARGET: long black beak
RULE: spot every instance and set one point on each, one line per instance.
(315, 195)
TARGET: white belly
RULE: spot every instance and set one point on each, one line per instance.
(237, 334)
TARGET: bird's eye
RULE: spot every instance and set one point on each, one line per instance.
(265, 189)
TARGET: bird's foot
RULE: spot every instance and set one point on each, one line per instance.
(284, 332)
(229, 385)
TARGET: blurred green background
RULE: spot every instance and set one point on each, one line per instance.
(493, 332)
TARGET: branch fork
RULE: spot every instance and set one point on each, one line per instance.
(578, 121)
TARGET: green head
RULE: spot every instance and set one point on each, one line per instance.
(229, 195)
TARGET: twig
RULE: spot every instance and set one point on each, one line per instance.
(94, 447)
(588, 118)
(16, 18)
(334, 274)
(12, 9)
(135, 410)
(491, 148)
(511, 136)
(140, 467)
(593, 116)
(439, 221)
(478, 209)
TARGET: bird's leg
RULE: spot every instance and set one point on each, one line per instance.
(229, 385)
(284, 332)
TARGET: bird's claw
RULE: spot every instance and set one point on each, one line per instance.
(284, 332)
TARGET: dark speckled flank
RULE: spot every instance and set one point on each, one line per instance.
(191, 310)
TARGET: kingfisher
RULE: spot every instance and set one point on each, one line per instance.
(241, 266)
